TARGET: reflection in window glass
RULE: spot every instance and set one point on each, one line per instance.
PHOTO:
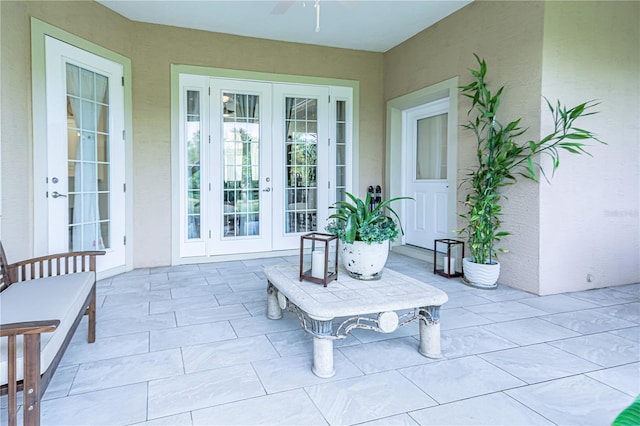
(193, 178)
(301, 150)
(241, 165)
(431, 148)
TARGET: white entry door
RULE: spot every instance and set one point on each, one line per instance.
(426, 173)
(257, 166)
(240, 166)
(85, 154)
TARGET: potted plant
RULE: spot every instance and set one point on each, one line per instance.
(500, 160)
(364, 234)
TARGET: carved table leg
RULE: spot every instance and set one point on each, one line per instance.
(430, 332)
(273, 307)
(322, 348)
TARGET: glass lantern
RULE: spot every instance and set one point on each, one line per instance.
(319, 258)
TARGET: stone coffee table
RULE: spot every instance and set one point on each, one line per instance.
(354, 304)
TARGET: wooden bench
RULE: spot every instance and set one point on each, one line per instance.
(42, 301)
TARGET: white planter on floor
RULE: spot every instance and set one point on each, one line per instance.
(364, 261)
(481, 275)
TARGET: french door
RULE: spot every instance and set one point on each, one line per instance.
(85, 153)
(426, 175)
(256, 164)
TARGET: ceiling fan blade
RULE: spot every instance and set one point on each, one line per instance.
(282, 7)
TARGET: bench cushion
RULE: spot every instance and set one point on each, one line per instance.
(60, 297)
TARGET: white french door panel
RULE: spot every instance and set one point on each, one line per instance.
(239, 210)
(301, 163)
(426, 160)
(85, 154)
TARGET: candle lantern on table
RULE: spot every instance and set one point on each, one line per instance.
(319, 258)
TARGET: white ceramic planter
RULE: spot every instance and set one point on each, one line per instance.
(481, 275)
(364, 261)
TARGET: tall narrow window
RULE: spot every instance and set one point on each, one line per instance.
(193, 153)
(341, 149)
(301, 130)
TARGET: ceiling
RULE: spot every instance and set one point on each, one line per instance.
(372, 25)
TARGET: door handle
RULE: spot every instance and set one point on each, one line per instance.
(267, 190)
(56, 194)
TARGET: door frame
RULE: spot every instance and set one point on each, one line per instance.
(176, 71)
(396, 150)
(39, 30)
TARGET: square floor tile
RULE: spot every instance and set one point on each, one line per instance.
(253, 326)
(227, 353)
(201, 390)
(529, 331)
(120, 405)
(130, 325)
(496, 409)
(506, 311)
(631, 333)
(385, 355)
(577, 400)
(183, 419)
(367, 398)
(285, 408)
(106, 348)
(558, 303)
(538, 363)
(127, 370)
(184, 303)
(605, 296)
(587, 322)
(398, 420)
(282, 374)
(210, 314)
(460, 378)
(471, 341)
(450, 319)
(625, 378)
(298, 342)
(191, 335)
(628, 311)
(604, 349)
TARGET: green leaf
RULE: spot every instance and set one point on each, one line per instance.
(630, 416)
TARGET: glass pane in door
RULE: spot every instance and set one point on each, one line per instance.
(241, 165)
(88, 159)
(301, 150)
(431, 147)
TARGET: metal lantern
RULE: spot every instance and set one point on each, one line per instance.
(319, 258)
(451, 256)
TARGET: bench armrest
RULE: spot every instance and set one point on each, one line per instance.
(29, 327)
(52, 265)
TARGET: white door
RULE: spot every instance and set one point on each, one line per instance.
(240, 167)
(301, 163)
(257, 167)
(85, 153)
(426, 173)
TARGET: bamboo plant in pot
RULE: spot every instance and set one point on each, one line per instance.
(500, 160)
(365, 234)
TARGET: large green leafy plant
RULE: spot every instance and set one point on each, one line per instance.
(500, 159)
(355, 221)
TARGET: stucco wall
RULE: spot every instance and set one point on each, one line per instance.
(152, 49)
(589, 224)
(157, 47)
(508, 35)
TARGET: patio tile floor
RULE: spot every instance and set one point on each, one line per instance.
(190, 345)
